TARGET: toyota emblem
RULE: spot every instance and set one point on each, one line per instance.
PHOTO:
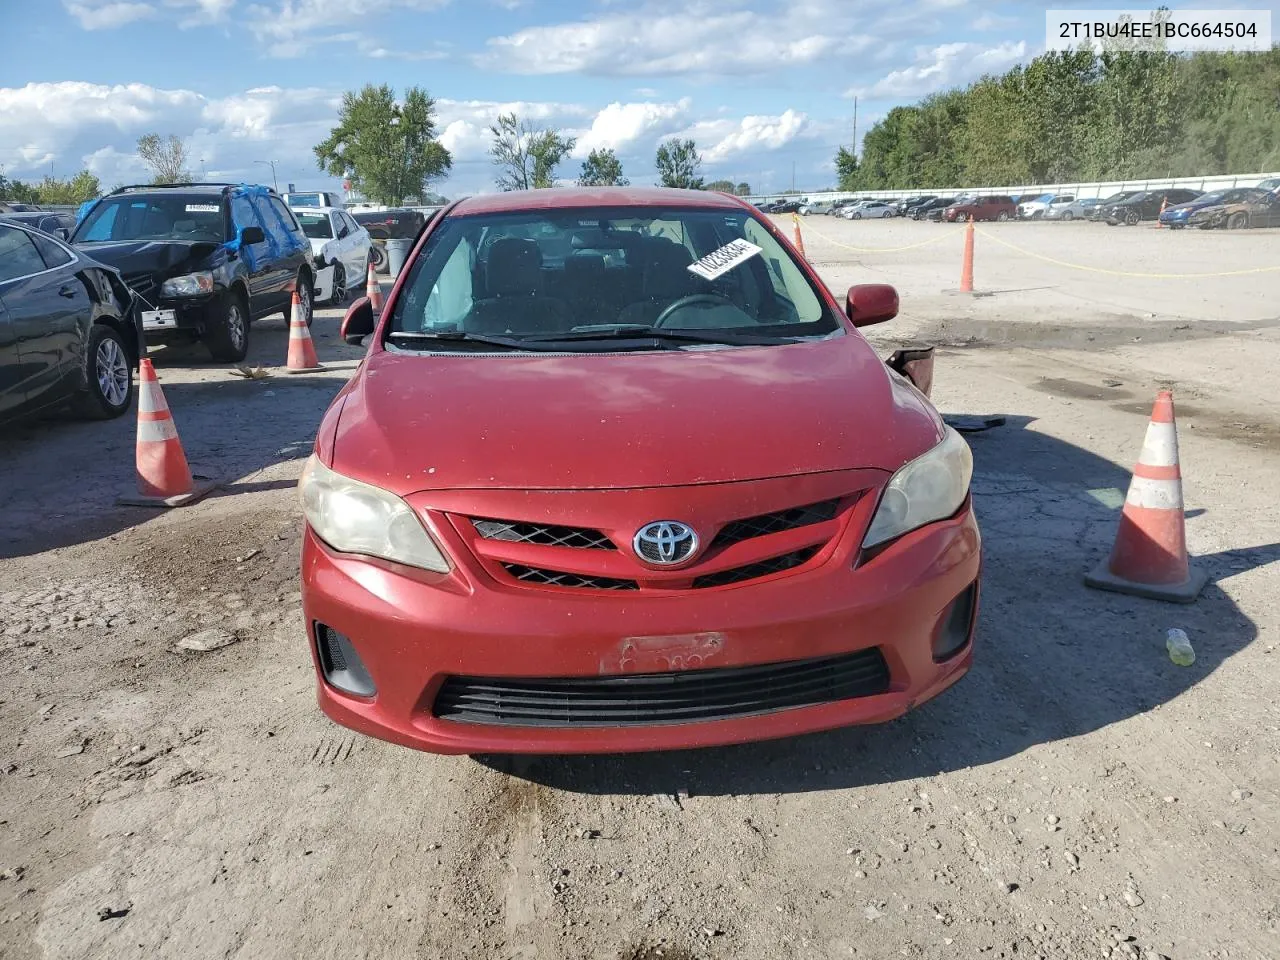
(665, 542)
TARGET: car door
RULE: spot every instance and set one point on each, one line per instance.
(45, 305)
(11, 392)
(360, 244)
(255, 256)
(295, 249)
(341, 240)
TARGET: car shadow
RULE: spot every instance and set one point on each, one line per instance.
(1053, 659)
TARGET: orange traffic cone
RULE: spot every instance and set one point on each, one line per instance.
(302, 349)
(373, 291)
(966, 266)
(164, 478)
(799, 239)
(1149, 558)
(1163, 203)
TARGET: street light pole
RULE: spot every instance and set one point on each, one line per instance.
(272, 164)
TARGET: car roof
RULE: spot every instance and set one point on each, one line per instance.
(298, 210)
(561, 198)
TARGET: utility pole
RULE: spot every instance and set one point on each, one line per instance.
(854, 149)
(272, 164)
(793, 176)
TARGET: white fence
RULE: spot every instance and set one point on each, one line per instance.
(1080, 190)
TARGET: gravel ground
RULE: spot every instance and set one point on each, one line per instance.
(1076, 796)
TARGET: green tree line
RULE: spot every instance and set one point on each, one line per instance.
(1081, 116)
(51, 190)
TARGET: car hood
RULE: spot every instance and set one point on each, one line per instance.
(160, 257)
(414, 422)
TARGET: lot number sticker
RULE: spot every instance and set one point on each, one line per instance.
(719, 262)
(202, 208)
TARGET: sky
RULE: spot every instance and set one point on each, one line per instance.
(766, 88)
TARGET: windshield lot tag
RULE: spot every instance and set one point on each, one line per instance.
(202, 208)
(719, 262)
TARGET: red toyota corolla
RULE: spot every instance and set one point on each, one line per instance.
(617, 473)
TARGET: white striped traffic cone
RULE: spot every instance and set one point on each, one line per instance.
(1149, 558)
(163, 475)
(373, 291)
(302, 349)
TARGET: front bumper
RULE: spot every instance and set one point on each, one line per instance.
(190, 315)
(322, 289)
(414, 630)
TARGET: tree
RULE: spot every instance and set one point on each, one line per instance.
(527, 155)
(678, 164)
(167, 158)
(743, 189)
(720, 186)
(602, 168)
(83, 186)
(388, 150)
(18, 192)
(847, 169)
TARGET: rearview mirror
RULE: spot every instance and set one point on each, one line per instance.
(358, 322)
(252, 235)
(869, 303)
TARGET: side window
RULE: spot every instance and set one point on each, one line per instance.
(18, 255)
(340, 226)
(52, 254)
(103, 225)
(285, 215)
(243, 214)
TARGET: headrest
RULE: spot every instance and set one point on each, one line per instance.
(666, 271)
(515, 267)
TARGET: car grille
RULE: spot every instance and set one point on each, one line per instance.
(754, 571)
(143, 284)
(544, 535)
(768, 523)
(558, 578)
(661, 698)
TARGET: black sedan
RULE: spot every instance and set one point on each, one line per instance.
(68, 333)
(1145, 205)
(60, 225)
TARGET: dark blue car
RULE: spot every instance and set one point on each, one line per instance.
(1179, 216)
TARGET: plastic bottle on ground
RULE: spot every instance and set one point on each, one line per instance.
(1179, 647)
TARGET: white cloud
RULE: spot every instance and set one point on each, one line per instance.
(945, 66)
(620, 125)
(700, 39)
(289, 28)
(96, 15)
(722, 140)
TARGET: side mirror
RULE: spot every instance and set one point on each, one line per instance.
(869, 303)
(252, 235)
(358, 322)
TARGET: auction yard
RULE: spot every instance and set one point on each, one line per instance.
(1077, 795)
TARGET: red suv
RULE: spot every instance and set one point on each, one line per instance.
(619, 473)
(983, 208)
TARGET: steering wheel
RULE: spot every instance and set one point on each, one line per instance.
(713, 299)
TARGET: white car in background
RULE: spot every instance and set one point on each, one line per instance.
(342, 250)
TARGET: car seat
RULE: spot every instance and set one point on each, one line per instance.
(665, 279)
(514, 301)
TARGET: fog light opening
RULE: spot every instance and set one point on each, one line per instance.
(956, 625)
(341, 665)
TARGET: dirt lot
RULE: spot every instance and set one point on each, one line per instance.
(1076, 796)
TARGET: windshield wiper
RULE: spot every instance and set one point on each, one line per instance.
(423, 339)
(639, 331)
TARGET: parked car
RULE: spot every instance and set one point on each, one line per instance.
(384, 225)
(786, 206)
(1273, 184)
(314, 198)
(871, 210)
(203, 260)
(1145, 205)
(1099, 212)
(342, 251)
(931, 209)
(1237, 209)
(12, 206)
(57, 225)
(577, 572)
(68, 333)
(1037, 209)
(999, 208)
(907, 206)
(1077, 209)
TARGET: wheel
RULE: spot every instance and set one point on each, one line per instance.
(339, 286)
(227, 336)
(1132, 218)
(1068, 216)
(1002, 216)
(109, 389)
(378, 255)
(305, 297)
(1238, 221)
(856, 216)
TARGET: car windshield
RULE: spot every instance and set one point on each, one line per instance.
(154, 217)
(1210, 198)
(315, 225)
(579, 273)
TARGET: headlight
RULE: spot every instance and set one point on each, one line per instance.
(191, 285)
(929, 488)
(355, 517)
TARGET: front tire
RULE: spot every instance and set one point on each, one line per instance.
(227, 337)
(1002, 216)
(339, 286)
(109, 378)
(1237, 221)
(1132, 219)
(306, 297)
(1068, 216)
